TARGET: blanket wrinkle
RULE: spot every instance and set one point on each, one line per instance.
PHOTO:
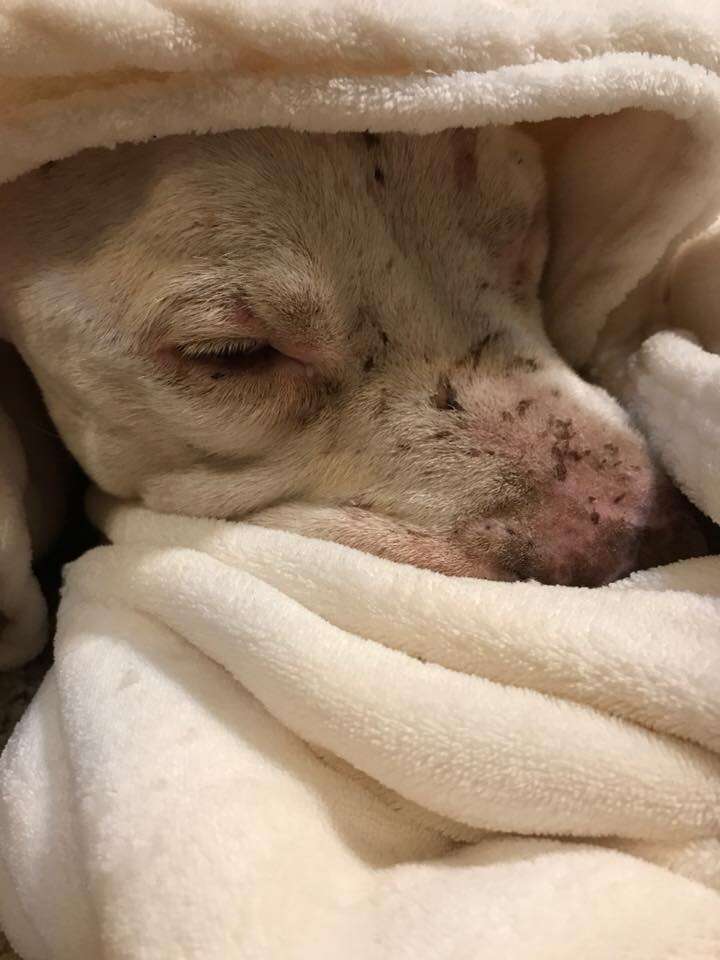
(563, 649)
(253, 744)
(303, 686)
(159, 628)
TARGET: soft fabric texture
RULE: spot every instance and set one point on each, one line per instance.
(258, 745)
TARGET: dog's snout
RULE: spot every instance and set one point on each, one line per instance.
(657, 527)
(591, 506)
(578, 538)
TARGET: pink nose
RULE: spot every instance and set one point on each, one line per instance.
(593, 505)
(579, 550)
(583, 539)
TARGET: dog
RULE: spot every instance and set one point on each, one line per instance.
(338, 335)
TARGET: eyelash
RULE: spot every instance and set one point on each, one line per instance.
(222, 349)
(223, 358)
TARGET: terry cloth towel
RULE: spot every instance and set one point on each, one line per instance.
(254, 745)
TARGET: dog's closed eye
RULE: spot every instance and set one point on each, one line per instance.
(205, 334)
(220, 358)
(246, 354)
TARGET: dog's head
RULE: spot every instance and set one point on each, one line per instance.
(339, 335)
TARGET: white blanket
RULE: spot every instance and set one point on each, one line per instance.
(254, 745)
(258, 745)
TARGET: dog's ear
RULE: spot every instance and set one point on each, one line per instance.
(527, 249)
(525, 254)
(504, 169)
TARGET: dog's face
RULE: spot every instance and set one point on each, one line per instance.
(339, 335)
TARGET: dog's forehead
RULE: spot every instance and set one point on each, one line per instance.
(459, 184)
(416, 231)
(261, 183)
(388, 219)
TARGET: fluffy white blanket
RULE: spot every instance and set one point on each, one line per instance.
(255, 745)
(258, 745)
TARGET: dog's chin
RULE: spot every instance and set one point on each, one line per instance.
(383, 536)
(457, 555)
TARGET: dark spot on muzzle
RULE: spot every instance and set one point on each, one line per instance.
(518, 364)
(523, 407)
(562, 429)
(445, 397)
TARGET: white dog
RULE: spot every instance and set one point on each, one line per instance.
(338, 335)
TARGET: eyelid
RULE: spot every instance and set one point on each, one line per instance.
(182, 327)
(220, 347)
(186, 310)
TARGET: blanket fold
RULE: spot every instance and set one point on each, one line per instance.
(272, 713)
(257, 745)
